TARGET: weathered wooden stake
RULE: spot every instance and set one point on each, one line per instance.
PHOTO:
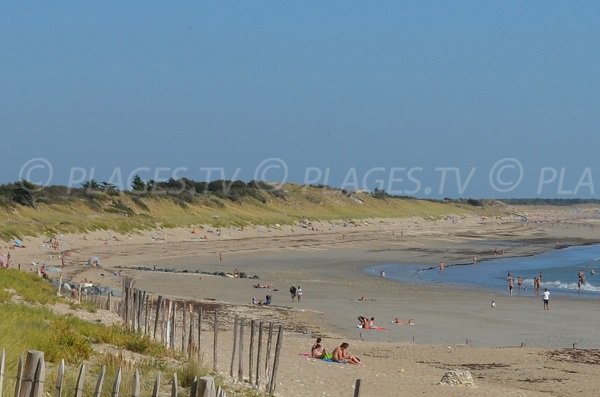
(199, 333)
(194, 388)
(146, 322)
(235, 327)
(2, 364)
(80, 381)
(241, 352)
(174, 326)
(29, 369)
(39, 378)
(19, 381)
(135, 391)
(156, 387)
(206, 387)
(357, 388)
(100, 382)
(184, 328)
(117, 384)
(216, 334)
(158, 306)
(190, 334)
(60, 376)
(268, 356)
(273, 382)
(251, 353)
(258, 353)
(174, 385)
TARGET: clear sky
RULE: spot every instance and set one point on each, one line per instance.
(407, 96)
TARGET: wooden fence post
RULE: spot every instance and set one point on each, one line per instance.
(174, 385)
(268, 356)
(168, 324)
(158, 305)
(19, 381)
(194, 388)
(235, 327)
(251, 353)
(2, 365)
(184, 329)
(216, 333)
(241, 352)
(135, 391)
(206, 387)
(273, 382)
(357, 388)
(199, 333)
(29, 370)
(146, 322)
(156, 388)
(258, 353)
(124, 306)
(190, 341)
(39, 378)
(60, 376)
(174, 326)
(117, 384)
(80, 381)
(100, 382)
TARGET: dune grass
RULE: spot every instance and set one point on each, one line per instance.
(128, 213)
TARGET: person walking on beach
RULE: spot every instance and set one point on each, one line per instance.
(293, 292)
(299, 293)
(509, 279)
(546, 299)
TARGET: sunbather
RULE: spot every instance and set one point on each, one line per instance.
(342, 355)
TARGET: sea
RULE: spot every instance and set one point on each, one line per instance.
(559, 268)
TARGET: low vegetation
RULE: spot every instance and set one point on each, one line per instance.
(58, 209)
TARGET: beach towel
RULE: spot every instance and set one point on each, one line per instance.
(372, 329)
(327, 358)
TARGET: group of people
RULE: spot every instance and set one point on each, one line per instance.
(296, 292)
(267, 300)
(339, 355)
(366, 323)
(537, 282)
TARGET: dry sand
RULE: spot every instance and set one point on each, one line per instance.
(329, 263)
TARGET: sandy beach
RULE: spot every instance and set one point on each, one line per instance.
(510, 349)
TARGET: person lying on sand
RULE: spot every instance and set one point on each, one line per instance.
(261, 285)
(410, 321)
(342, 355)
(317, 350)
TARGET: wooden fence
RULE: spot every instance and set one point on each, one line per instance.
(31, 380)
(181, 326)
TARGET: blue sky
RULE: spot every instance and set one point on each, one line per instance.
(340, 86)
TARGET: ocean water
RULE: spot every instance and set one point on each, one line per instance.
(559, 267)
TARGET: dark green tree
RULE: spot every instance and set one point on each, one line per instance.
(138, 184)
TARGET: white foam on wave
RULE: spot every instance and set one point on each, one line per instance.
(570, 286)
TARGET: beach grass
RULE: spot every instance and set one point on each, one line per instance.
(128, 213)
